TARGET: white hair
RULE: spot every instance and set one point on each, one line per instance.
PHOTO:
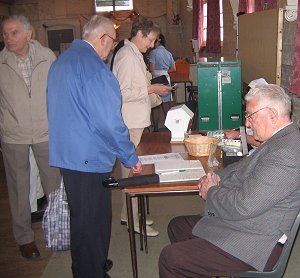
(25, 22)
(272, 96)
(96, 25)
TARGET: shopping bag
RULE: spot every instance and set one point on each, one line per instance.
(56, 221)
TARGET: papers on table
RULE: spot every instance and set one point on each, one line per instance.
(151, 159)
(180, 170)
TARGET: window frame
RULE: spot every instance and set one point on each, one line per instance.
(113, 6)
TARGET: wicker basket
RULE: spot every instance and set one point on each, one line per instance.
(201, 145)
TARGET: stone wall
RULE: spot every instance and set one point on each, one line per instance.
(288, 46)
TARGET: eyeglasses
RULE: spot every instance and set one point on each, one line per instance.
(114, 40)
(248, 116)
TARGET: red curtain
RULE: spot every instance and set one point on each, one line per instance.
(196, 16)
(197, 31)
(213, 42)
(261, 5)
(295, 87)
(245, 6)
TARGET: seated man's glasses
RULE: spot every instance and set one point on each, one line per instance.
(248, 116)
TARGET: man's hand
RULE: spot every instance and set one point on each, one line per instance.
(159, 89)
(231, 134)
(137, 168)
(206, 182)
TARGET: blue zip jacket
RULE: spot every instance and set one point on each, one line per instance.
(86, 129)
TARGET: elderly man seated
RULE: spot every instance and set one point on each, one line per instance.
(250, 205)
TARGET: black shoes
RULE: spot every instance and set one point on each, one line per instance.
(108, 265)
(42, 203)
(37, 216)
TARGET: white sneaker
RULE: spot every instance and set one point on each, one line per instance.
(149, 222)
(149, 231)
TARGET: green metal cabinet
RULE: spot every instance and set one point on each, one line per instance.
(219, 94)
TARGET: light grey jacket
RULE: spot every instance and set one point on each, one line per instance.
(23, 115)
(257, 200)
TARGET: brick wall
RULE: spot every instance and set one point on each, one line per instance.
(54, 13)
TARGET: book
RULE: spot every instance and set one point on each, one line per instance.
(181, 170)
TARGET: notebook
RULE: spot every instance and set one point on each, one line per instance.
(181, 170)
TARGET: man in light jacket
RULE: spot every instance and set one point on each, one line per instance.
(24, 65)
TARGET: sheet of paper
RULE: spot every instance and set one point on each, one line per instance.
(151, 159)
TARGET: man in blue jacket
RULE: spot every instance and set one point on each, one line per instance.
(86, 135)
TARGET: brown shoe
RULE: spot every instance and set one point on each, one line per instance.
(29, 250)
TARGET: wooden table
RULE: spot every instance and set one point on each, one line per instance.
(155, 143)
(181, 78)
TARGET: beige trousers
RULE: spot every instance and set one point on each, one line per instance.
(135, 135)
(17, 169)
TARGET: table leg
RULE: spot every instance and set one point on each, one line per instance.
(131, 235)
(143, 221)
(143, 228)
(140, 201)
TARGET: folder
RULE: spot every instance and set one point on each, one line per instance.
(177, 171)
(160, 80)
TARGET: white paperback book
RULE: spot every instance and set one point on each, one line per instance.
(181, 170)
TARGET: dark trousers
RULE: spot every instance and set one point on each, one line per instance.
(90, 222)
(192, 257)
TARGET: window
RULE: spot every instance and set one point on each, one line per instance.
(205, 23)
(113, 5)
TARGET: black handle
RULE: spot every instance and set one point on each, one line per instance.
(111, 182)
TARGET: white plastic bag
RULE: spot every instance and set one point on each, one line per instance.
(56, 220)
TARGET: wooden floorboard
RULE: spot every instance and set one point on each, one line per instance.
(12, 264)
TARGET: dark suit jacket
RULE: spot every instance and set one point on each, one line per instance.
(257, 200)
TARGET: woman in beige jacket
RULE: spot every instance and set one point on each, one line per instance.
(130, 70)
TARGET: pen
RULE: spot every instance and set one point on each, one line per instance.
(172, 172)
